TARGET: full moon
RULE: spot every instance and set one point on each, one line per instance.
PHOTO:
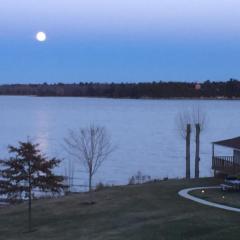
(41, 36)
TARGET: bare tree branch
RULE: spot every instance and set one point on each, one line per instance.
(183, 119)
(199, 117)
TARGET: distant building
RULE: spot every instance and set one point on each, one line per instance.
(198, 86)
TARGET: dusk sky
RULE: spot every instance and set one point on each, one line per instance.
(119, 40)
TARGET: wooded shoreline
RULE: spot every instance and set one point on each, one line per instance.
(153, 90)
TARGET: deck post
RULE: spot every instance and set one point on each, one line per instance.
(213, 155)
(213, 150)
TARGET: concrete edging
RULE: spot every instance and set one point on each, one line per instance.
(185, 194)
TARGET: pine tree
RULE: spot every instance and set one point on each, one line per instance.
(26, 171)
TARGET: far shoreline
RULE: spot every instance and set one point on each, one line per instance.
(127, 98)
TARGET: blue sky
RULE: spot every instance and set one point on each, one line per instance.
(119, 40)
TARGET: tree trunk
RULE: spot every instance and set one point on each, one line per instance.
(29, 198)
(188, 135)
(90, 183)
(90, 188)
(30, 213)
(197, 153)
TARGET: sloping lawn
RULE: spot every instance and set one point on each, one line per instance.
(143, 212)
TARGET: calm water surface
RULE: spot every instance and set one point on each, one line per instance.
(144, 131)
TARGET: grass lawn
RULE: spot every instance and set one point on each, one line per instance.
(229, 198)
(142, 212)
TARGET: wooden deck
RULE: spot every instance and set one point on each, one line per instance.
(226, 164)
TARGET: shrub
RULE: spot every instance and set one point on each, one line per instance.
(100, 186)
(139, 178)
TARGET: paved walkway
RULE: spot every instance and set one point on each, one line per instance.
(185, 194)
(3, 204)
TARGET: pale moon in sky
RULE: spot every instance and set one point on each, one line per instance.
(41, 36)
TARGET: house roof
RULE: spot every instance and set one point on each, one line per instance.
(231, 143)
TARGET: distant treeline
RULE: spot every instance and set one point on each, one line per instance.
(155, 90)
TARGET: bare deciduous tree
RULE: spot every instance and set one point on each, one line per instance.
(91, 146)
(196, 117)
(199, 121)
(184, 127)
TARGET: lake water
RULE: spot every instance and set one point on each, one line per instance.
(144, 131)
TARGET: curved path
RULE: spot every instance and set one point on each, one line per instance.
(185, 194)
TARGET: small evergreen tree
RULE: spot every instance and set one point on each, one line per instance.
(27, 170)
